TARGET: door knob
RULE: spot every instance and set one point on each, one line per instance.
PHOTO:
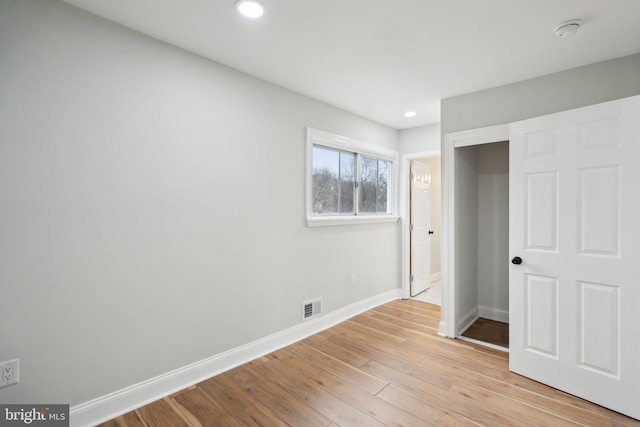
(430, 231)
(516, 260)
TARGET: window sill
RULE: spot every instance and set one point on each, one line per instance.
(350, 220)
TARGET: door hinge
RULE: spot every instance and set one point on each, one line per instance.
(411, 278)
(411, 227)
(356, 184)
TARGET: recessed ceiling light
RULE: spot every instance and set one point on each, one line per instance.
(409, 114)
(250, 8)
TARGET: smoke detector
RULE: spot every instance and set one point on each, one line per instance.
(567, 28)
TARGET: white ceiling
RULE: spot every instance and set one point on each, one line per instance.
(379, 58)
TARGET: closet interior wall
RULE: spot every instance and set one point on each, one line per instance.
(482, 232)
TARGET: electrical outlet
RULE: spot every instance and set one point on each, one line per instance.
(9, 372)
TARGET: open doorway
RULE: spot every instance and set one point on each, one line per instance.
(424, 230)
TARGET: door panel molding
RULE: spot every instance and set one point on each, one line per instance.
(584, 340)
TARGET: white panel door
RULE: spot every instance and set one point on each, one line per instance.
(575, 224)
(420, 223)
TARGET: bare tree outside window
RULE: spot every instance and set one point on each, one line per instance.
(374, 178)
(333, 182)
(348, 183)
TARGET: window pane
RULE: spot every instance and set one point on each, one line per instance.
(333, 181)
(374, 177)
(347, 182)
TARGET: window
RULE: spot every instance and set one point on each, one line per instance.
(374, 179)
(333, 181)
(347, 181)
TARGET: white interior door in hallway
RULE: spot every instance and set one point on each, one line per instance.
(574, 240)
(420, 275)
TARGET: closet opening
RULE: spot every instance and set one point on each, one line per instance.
(482, 243)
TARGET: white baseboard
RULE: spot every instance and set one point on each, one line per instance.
(435, 277)
(442, 329)
(127, 399)
(467, 320)
(493, 314)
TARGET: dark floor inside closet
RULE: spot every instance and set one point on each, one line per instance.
(489, 331)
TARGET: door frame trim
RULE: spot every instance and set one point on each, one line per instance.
(451, 141)
(405, 209)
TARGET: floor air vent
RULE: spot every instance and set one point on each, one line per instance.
(311, 309)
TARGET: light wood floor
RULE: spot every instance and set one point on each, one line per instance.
(385, 367)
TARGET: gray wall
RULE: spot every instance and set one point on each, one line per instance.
(579, 87)
(152, 207)
(493, 226)
(419, 139)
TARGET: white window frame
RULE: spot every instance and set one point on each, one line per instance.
(342, 143)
